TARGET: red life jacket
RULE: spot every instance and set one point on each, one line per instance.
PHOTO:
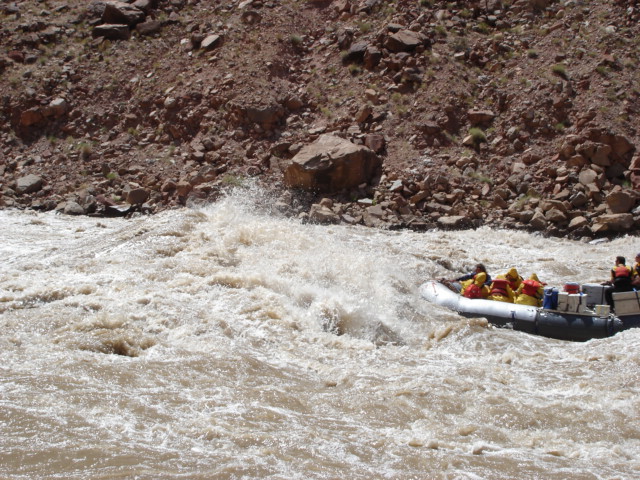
(621, 271)
(530, 287)
(499, 287)
(472, 291)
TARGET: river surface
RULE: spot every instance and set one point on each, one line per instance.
(228, 342)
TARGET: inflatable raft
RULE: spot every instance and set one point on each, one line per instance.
(573, 317)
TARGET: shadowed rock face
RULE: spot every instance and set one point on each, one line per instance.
(331, 164)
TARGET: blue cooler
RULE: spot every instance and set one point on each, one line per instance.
(550, 301)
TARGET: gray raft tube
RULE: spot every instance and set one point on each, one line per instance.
(573, 327)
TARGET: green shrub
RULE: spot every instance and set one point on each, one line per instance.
(86, 149)
(560, 70)
(477, 135)
(365, 27)
(354, 69)
(483, 27)
(481, 177)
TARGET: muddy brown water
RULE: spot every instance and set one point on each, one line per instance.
(228, 342)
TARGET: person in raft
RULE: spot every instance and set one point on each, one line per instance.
(531, 292)
(514, 278)
(472, 285)
(621, 280)
(500, 290)
(636, 273)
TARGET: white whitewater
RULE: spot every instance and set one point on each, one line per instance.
(228, 342)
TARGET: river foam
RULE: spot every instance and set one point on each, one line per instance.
(229, 342)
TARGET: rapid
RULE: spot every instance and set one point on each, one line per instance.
(230, 342)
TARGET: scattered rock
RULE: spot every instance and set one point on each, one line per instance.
(150, 124)
(137, 196)
(120, 13)
(149, 27)
(73, 208)
(404, 41)
(56, 108)
(28, 184)
(112, 31)
(31, 117)
(211, 42)
(453, 222)
(480, 117)
(621, 201)
(322, 214)
(615, 222)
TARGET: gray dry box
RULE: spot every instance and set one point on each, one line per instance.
(594, 293)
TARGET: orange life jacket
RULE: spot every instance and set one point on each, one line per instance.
(472, 291)
(530, 287)
(621, 271)
(499, 287)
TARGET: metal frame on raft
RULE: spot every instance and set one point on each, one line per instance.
(576, 319)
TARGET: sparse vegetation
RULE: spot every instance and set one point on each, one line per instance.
(484, 28)
(365, 27)
(477, 135)
(354, 69)
(441, 30)
(560, 70)
(508, 62)
(481, 177)
(85, 149)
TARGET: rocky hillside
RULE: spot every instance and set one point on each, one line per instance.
(518, 114)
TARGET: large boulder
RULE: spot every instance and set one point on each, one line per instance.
(31, 117)
(621, 201)
(122, 13)
(331, 164)
(56, 108)
(28, 184)
(322, 214)
(149, 27)
(404, 41)
(480, 117)
(613, 222)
